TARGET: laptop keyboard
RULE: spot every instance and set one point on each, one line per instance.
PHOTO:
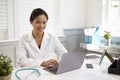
(52, 69)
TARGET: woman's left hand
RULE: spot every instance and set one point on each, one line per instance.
(50, 62)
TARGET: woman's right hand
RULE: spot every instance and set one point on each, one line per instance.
(48, 63)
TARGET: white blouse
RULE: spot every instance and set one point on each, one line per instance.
(29, 54)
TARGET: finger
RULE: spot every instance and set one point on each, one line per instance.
(52, 64)
(51, 60)
(55, 62)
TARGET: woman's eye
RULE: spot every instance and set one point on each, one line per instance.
(37, 22)
(44, 22)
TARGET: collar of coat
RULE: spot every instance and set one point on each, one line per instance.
(30, 37)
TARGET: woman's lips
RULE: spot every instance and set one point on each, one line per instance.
(40, 29)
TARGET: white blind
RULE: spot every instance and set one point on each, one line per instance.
(26, 7)
(3, 19)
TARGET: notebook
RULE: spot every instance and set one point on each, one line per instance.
(69, 61)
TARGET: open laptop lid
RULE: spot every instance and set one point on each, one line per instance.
(71, 61)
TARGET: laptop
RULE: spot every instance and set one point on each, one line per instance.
(69, 61)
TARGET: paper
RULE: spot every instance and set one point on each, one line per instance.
(96, 76)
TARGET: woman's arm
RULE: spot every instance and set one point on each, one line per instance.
(22, 56)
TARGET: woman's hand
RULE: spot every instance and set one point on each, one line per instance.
(50, 62)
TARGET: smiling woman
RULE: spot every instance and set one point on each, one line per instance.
(39, 46)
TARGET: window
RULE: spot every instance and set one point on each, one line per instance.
(111, 16)
(14, 16)
(7, 19)
(3, 19)
(26, 7)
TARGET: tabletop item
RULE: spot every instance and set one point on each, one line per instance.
(114, 68)
(98, 72)
(34, 70)
(6, 67)
(108, 56)
(89, 65)
(101, 59)
(69, 62)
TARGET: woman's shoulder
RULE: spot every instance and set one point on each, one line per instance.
(50, 35)
(26, 36)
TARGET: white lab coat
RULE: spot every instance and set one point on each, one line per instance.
(28, 54)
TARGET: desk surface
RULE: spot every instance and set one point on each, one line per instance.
(99, 72)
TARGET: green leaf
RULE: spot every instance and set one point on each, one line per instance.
(5, 65)
(107, 36)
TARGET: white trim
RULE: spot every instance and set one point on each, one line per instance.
(13, 24)
(105, 13)
(16, 19)
(9, 47)
(10, 20)
(6, 43)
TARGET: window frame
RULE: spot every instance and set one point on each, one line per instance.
(105, 17)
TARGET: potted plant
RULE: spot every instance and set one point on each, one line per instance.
(107, 37)
(5, 67)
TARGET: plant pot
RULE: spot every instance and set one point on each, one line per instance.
(8, 77)
(107, 42)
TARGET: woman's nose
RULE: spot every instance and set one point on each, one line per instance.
(40, 25)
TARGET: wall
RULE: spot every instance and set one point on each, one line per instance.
(93, 13)
(73, 38)
(72, 14)
(80, 13)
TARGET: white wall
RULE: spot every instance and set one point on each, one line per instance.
(93, 13)
(72, 13)
(80, 13)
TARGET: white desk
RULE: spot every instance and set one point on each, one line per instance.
(99, 72)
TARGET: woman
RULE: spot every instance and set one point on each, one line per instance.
(39, 48)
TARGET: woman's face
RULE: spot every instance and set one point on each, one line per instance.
(39, 23)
